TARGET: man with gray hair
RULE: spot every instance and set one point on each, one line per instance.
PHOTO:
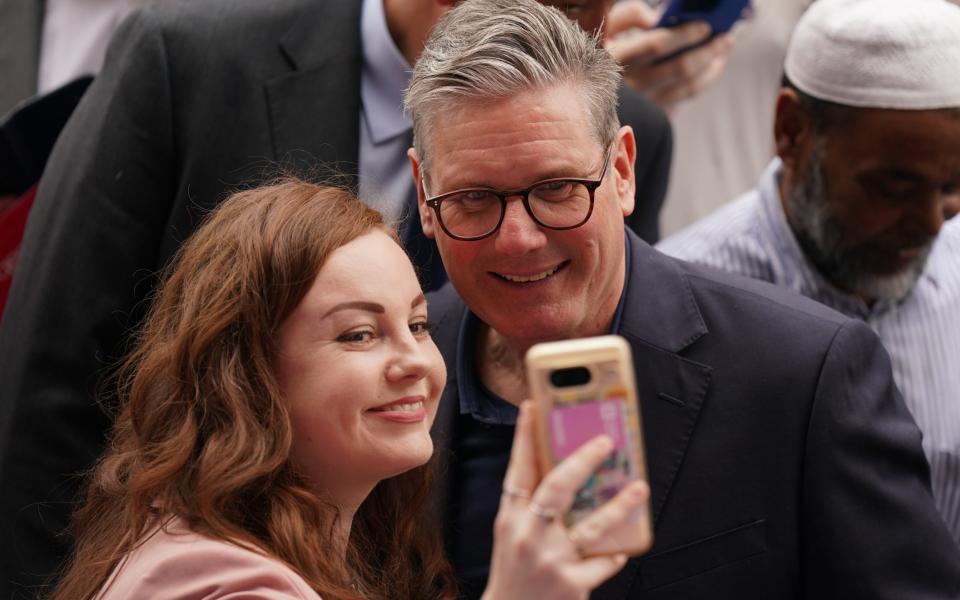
(852, 212)
(781, 459)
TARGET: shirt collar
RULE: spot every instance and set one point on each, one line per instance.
(385, 76)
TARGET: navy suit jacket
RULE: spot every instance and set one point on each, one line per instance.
(196, 99)
(782, 460)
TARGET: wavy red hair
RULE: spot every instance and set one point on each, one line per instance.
(203, 433)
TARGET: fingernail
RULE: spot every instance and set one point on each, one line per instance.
(605, 442)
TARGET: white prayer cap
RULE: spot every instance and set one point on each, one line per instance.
(899, 54)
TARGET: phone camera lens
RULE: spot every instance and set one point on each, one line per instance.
(570, 377)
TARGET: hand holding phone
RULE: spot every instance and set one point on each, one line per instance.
(534, 554)
(719, 15)
(581, 389)
(665, 64)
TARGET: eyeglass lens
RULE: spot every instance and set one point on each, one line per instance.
(558, 203)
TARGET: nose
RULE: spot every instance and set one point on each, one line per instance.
(409, 360)
(519, 233)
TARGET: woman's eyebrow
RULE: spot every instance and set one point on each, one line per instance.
(358, 305)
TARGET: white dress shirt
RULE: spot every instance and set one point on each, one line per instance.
(385, 131)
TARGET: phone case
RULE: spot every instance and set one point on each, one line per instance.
(720, 14)
(570, 415)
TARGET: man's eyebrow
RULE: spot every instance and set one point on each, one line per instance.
(564, 172)
(541, 176)
(358, 305)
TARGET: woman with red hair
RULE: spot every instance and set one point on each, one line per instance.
(272, 439)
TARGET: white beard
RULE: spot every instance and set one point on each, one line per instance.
(823, 240)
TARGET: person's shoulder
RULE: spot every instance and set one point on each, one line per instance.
(750, 325)
(198, 14)
(721, 296)
(229, 24)
(645, 116)
(731, 238)
(173, 561)
(717, 287)
(757, 303)
(229, 44)
(728, 226)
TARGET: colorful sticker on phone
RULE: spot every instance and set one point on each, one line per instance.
(572, 426)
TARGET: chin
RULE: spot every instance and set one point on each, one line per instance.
(405, 459)
(890, 287)
(890, 279)
(536, 324)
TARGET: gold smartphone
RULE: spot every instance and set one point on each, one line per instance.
(583, 388)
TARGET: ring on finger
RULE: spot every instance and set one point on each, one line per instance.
(548, 515)
(512, 491)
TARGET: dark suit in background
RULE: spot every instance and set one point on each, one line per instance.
(652, 165)
(195, 100)
(21, 25)
(782, 460)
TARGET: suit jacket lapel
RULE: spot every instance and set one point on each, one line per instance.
(660, 319)
(323, 51)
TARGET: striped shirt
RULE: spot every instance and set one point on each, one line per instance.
(750, 236)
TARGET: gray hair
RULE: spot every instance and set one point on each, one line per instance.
(493, 49)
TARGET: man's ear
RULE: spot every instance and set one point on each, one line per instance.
(792, 129)
(624, 153)
(426, 216)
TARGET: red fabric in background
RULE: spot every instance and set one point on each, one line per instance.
(12, 222)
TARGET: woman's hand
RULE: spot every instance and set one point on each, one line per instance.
(534, 555)
(632, 39)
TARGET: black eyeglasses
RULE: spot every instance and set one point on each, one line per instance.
(475, 213)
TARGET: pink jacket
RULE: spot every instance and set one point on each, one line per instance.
(175, 563)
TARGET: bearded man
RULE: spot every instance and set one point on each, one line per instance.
(854, 210)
